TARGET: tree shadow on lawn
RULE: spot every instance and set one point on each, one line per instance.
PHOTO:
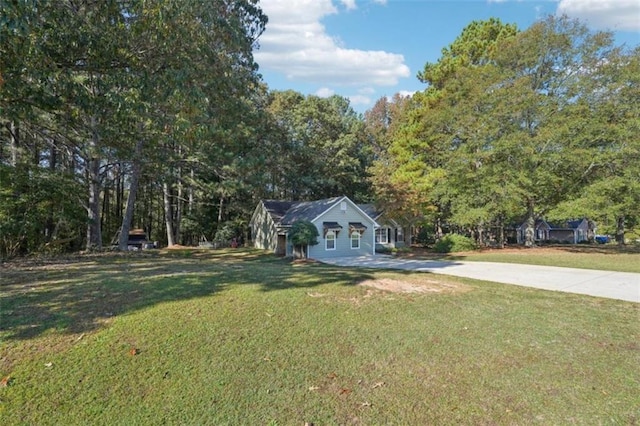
(78, 297)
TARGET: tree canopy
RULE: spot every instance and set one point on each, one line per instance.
(516, 126)
(152, 114)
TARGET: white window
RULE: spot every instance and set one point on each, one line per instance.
(355, 240)
(382, 236)
(330, 241)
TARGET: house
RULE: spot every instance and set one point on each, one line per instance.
(390, 234)
(344, 228)
(572, 232)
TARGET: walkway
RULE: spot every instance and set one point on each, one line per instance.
(607, 284)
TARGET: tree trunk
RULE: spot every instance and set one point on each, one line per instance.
(179, 206)
(15, 142)
(105, 217)
(439, 233)
(220, 210)
(191, 194)
(620, 230)
(50, 225)
(136, 169)
(119, 189)
(529, 233)
(94, 232)
(501, 234)
(168, 214)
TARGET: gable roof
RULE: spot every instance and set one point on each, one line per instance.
(370, 210)
(575, 224)
(307, 210)
(285, 213)
(569, 225)
(277, 208)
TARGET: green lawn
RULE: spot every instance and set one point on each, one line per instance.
(240, 337)
(603, 257)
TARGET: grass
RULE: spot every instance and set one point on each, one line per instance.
(239, 337)
(606, 257)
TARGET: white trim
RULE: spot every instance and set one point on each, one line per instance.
(354, 205)
(351, 240)
(386, 235)
(326, 240)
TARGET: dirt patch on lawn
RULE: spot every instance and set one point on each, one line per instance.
(417, 286)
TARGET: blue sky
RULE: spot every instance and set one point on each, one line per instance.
(366, 49)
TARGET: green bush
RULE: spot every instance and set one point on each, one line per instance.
(425, 236)
(303, 233)
(452, 243)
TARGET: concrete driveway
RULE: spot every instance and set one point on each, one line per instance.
(611, 285)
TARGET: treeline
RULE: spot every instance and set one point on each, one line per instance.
(515, 126)
(151, 114)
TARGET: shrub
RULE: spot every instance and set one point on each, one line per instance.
(452, 243)
(303, 233)
(224, 233)
(425, 236)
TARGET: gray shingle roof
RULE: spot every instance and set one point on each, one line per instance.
(370, 210)
(307, 210)
(284, 213)
(277, 208)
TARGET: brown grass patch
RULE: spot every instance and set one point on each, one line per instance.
(423, 285)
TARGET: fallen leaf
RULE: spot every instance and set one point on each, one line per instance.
(332, 376)
(366, 404)
(5, 381)
(345, 391)
(49, 364)
(134, 351)
(378, 385)
(314, 388)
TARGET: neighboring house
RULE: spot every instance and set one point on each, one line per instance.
(572, 232)
(390, 234)
(344, 228)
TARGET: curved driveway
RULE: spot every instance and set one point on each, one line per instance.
(608, 284)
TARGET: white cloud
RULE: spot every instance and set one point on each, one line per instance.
(402, 94)
(349, 4)
(621, 15)
(296, 44)
(325, 92)
(359, 100)
(367, 91)
(382, 2)
(407, 93)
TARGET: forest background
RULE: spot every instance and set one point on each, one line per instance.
(152, 114)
